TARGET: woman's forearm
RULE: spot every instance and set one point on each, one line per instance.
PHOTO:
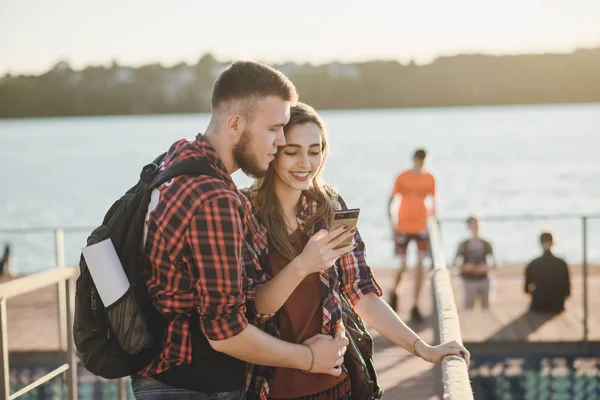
(271, 295)
(379, 316)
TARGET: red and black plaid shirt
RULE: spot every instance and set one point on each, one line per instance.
(194, 249)
(352, 278)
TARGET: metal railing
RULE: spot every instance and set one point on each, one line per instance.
(64, 278)
(584, 221)
(455, 374)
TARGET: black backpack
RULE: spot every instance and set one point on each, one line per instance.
(358, 358)
(119, 340)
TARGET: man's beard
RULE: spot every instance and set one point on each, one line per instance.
(246, 159)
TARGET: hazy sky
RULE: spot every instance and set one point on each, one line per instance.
(35, 34)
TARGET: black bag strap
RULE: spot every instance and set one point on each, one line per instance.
(159, 159)
(152, 174)
(186, 167)
(150, 171)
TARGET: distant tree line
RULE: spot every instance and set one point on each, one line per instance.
(460, 80)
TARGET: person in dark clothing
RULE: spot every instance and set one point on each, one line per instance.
(547, 279)
(4, 261)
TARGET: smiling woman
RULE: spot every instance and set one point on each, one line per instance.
(297, 167)
(301, 156)
(299, 268)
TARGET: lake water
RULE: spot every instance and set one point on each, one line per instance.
(488, 161)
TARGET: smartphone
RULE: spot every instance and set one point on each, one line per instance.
(348, 218)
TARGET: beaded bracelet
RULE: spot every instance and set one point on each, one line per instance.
(312, 362)
(415, 349)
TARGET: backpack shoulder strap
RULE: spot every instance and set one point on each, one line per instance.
(186, 167)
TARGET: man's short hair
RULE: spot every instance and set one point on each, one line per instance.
(251, 80)
(546, 237)
(420, 154)
(472, 218)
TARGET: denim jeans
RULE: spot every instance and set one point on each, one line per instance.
(148, 389)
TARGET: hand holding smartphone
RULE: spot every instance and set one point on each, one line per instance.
(319, 253)
(348, 218)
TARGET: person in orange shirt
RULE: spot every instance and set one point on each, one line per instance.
(413, 186)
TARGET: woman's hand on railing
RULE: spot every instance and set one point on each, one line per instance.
(435, 354)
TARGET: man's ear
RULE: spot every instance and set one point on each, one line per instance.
(235, 125)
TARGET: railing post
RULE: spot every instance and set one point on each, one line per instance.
(61, 290)
(585, 285)
(123, 389)
(4, 375)
(455, 374)
(71, 356)
(439, 375)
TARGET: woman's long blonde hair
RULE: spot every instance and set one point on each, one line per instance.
(269, 208)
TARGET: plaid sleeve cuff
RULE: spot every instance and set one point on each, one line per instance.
(357, 277)
(222, 328)
(254, 275)
(356, 292)
(254, 317)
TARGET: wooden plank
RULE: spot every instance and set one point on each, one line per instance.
(33, 321)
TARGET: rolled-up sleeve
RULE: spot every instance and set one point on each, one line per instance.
(216, 239)
(254, 277)
(356, 276)
(255, 256)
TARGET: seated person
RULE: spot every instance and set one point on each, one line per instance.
(547, 279)
(5, 262)
(474, 258)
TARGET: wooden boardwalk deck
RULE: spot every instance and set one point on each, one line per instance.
(32, 326)
(507, 321)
